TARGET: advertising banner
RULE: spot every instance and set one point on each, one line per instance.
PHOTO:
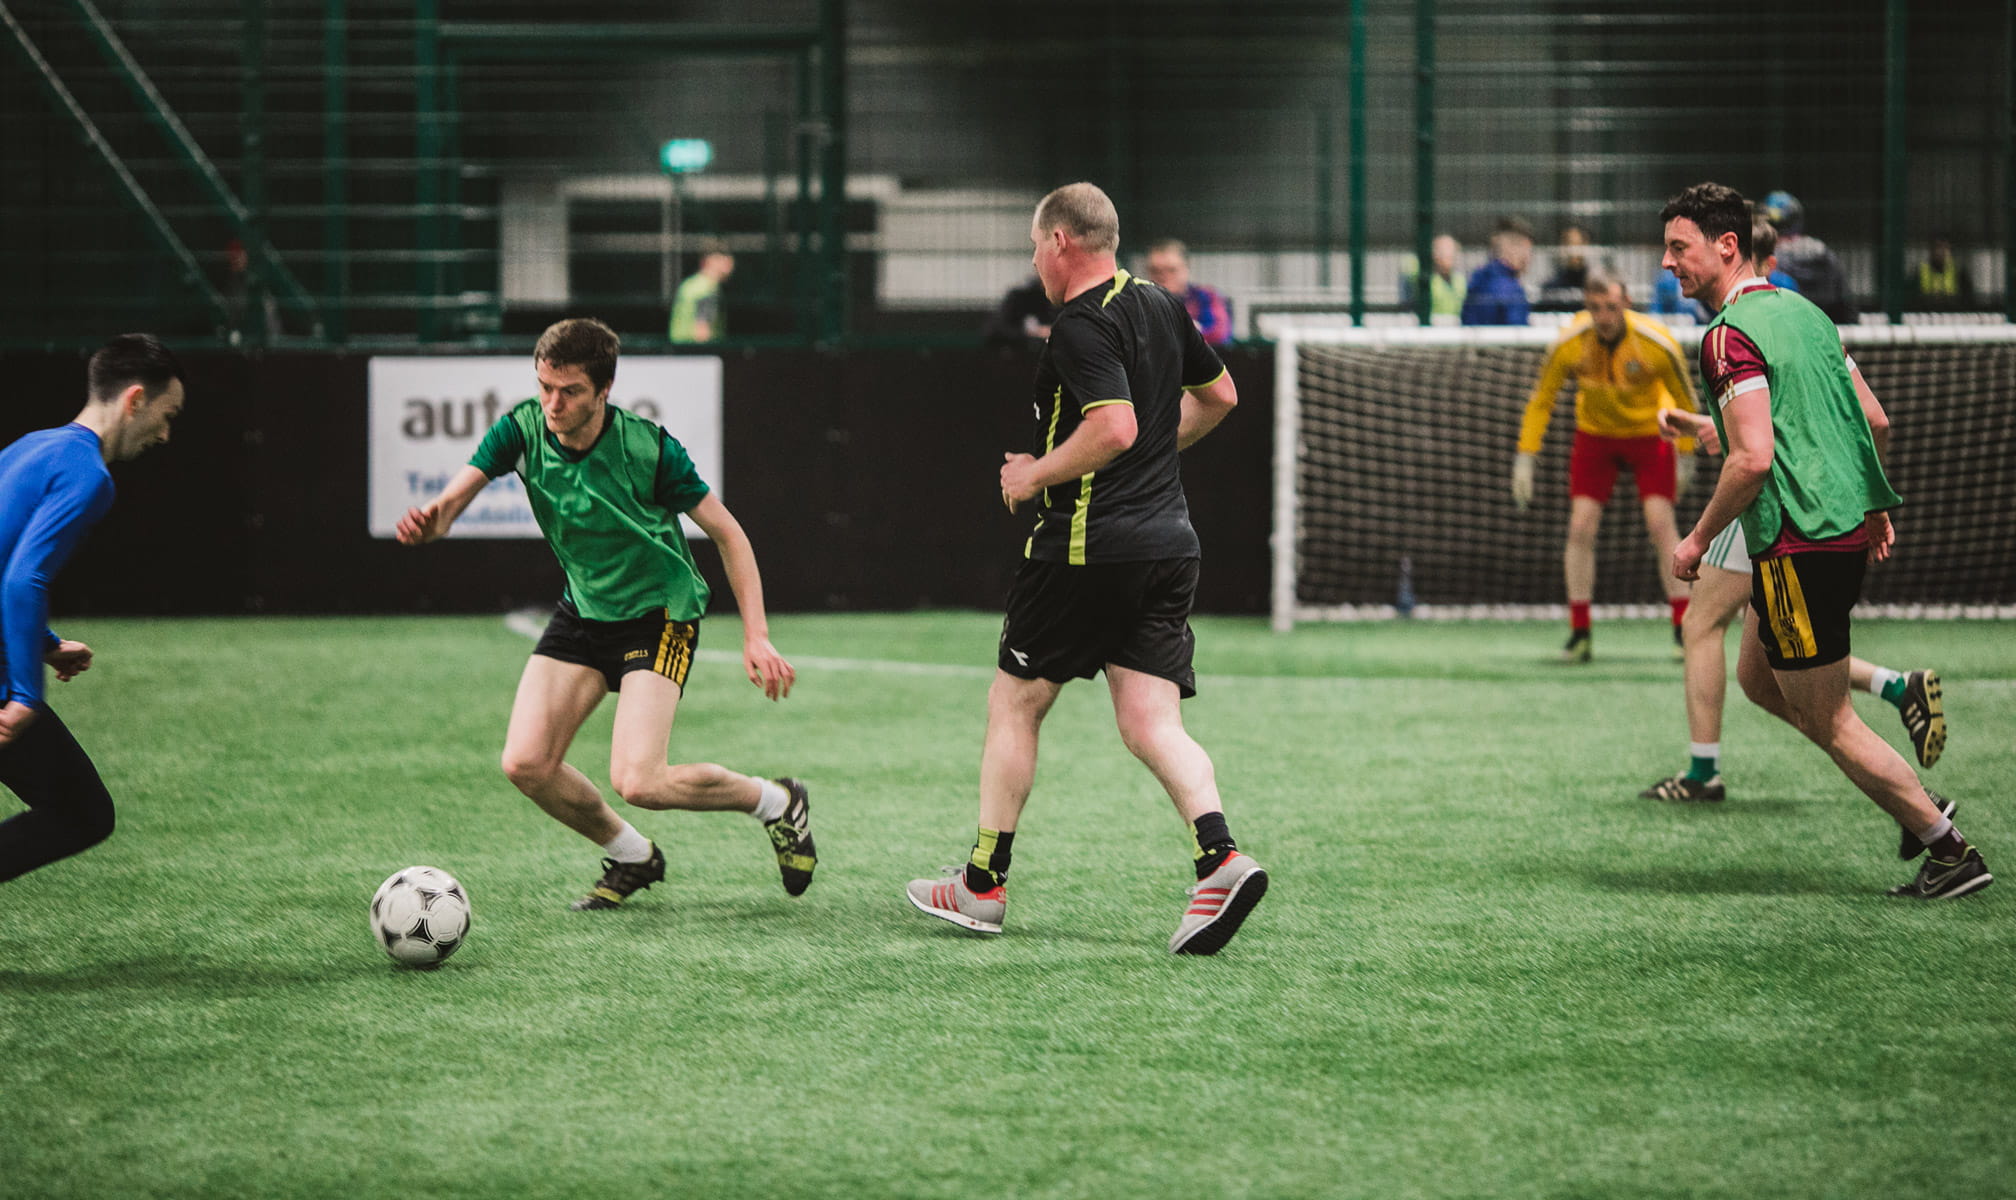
(428, 415)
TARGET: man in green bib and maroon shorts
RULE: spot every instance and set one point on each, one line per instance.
(1803, 474)
(608, 488)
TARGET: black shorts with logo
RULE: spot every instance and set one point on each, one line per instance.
(1067, 622)
(654, 642)
(1802, 602)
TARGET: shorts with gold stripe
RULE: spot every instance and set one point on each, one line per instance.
(653, 642)
(1802, 602)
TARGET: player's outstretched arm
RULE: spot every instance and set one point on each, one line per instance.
(760, 661)
(432, 520)
(1676, 424)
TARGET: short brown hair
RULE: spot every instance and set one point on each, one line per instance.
(1763, 239)
(581, 342)
(1084, 212)
(1716, 210)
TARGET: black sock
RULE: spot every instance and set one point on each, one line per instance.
(1948, 847)
(987, 867)
(1214, 842)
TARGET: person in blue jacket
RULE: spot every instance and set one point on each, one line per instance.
(54, 486)
(1495, 295)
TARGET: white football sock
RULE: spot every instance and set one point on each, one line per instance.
(628, 846)
(1944, 827)
(1706, 750)
(1879, 678)
(770, 805)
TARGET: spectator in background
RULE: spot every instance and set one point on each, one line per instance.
(1764, 252)
(239, 287)
(1495, 295)
(1023, 317)
(1445, 286)
(1941, 285)
(1667, 301)
(1563, 290)
(1169, 265)
(696, 307)
(1807, 259)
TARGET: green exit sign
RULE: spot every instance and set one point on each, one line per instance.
(685, 156)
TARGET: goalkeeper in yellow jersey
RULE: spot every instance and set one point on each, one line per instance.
(1626, 367)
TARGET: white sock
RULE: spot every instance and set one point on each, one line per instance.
(770, 805)
(1706, 750)
(628, 846)
(1944, 827)
(1880, 678)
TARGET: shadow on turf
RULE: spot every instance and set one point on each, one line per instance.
(1731, 881)
(160, 971)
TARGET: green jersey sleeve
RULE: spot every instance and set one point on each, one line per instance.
(679, 486)
(501, 448)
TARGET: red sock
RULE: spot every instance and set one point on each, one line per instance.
(1679, 604)
(1578, 616)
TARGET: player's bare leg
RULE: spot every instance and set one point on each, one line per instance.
(1718, 596)
(1015, 711)
(638, 747)
(553, 699)
(639, 744)
(1665, 535)
(1578, 572)
(1148, 709)
(1817, 700)
(974, 895)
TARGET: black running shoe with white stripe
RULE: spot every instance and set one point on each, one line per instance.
(1939, 879)
(791, 837)
(620, 880)
(1687, 789)
(1924, 714)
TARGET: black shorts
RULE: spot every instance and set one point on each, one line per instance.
(1802, 602)
(654, 643)
(1067, 622)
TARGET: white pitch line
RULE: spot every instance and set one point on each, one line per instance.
(531, 622)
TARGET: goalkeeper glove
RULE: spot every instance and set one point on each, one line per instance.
(1522, 479)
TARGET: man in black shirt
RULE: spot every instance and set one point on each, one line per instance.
(1124, 383)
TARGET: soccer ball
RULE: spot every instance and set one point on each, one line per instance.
(420, 916)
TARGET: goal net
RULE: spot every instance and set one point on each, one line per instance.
(1393, 457)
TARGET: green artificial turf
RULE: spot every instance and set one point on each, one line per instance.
(1484, 968)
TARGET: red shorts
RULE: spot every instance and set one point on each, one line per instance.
(1593, 463)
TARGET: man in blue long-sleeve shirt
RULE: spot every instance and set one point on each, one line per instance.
(54, 486)
(1495, 296)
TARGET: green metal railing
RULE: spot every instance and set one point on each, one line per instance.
(362, 159)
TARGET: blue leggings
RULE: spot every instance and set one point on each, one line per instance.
(68, 807)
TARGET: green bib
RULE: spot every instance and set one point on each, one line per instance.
(1825, 474)
(611, 515)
